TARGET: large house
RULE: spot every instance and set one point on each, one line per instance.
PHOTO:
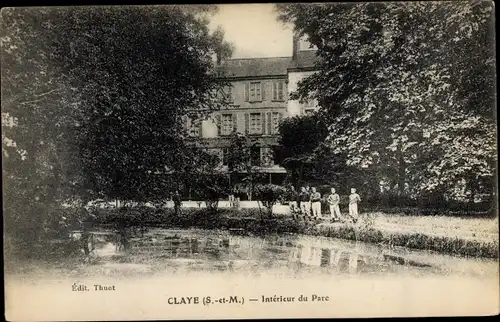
(258, 96)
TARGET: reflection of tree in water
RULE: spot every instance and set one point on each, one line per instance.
(279, 250)
(176, 246)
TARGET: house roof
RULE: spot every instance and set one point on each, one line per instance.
(248, 67)
(269, 66)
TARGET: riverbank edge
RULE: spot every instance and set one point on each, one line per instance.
(253, 223)
(419, 241)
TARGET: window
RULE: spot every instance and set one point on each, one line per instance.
(225, 157)
(267, 156)
(255, 155)
(254, 91)
(279, 91)
(309, 111)
(194, 128)
(229, 94)
(227, 124)
(276, 118)
(255, 123)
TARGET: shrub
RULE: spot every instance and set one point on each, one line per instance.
(269, 194)
(211, 188)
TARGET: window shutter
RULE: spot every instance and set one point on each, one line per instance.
(263, 90)
(235, 122)
(247, 123)
(274, 91)
(269, 123)
(246, 92)
(217, 123)
(262, 124)
(280, 117)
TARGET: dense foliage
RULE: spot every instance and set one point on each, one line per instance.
(407, 90)
(207, 180)
(242, 163)
(269, 194)
(299, 137)
(92, 102)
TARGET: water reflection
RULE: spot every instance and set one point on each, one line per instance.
(205, 250)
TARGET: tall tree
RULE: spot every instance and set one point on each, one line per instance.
(207, 180)
(92, 102)
(244, 161)
(407, 89)
(299, 137)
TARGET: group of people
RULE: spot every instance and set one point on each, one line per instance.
(308, 202)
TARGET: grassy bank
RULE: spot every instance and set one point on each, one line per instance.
(422, 241)
(414, 232)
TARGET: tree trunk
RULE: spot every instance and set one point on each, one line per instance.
(301, 172)
(260, 212)
(401, 175)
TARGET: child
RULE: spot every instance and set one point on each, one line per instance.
(333, 200)
(353, 205)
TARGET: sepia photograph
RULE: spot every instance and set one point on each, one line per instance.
(250, 161)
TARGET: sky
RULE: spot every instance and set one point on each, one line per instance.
(254, 30)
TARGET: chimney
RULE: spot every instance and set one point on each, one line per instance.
(295, 48)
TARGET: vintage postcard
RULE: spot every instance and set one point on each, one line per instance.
(327, 160)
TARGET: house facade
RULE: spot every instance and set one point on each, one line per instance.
(258, 97)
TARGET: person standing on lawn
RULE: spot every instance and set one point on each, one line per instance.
(297, 199)
(231, 198)
(315, 203)
(177, 202)
(309, 205)
(333, 200)
(354, 198)
(292, 199)
(304, 202)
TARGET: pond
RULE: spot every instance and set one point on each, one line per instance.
(190, 250)
(149, 271)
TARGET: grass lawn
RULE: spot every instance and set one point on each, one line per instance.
(479, 229)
